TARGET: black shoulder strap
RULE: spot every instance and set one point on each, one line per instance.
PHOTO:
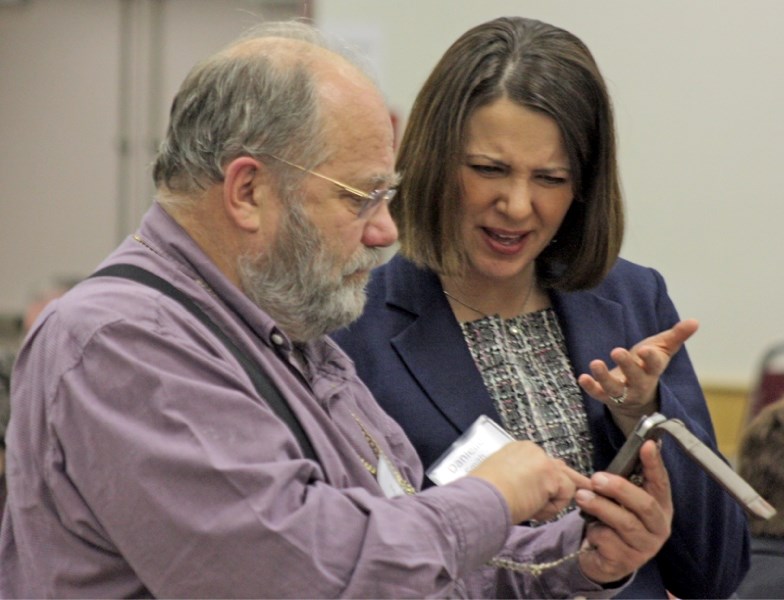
(261, 381)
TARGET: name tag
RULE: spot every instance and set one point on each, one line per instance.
(481, 440)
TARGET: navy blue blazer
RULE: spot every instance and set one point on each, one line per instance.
(410, 351)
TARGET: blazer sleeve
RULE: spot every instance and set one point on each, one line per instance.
(707, 554)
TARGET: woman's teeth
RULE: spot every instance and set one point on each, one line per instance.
(504, 239)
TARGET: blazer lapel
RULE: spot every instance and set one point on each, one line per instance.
(433, 349)
(592, 327)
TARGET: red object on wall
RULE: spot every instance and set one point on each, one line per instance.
(770, 382)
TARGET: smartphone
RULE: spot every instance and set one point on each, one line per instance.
(627, 462)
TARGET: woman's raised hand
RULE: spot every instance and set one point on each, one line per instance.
(631, 388)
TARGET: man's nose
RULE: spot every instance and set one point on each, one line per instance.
(380, 229)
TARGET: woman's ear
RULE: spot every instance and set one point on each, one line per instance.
(244, 186)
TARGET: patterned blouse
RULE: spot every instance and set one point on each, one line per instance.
(526, 370)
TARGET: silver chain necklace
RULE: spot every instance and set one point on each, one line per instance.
(484, 314)
(513, 329)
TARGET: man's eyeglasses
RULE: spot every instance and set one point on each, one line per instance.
(365, 203)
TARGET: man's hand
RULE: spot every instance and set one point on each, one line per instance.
(634, 522)
(534, 485)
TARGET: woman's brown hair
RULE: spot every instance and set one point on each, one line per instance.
(540, 67)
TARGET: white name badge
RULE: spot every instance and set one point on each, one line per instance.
(481, 440)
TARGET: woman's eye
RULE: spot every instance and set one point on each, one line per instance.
(488, 170)
(553, 180)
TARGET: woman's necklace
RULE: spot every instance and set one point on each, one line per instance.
(512, 329)
(459, 301)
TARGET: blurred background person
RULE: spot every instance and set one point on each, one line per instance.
(6, 362)
(761, 463)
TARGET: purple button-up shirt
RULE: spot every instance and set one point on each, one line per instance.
(142, 462)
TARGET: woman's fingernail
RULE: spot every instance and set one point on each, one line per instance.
(584, 495)
(600, 480)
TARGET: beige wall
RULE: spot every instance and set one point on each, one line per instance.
(85, 87)
(58, 119)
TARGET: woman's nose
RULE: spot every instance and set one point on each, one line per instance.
(517, 201)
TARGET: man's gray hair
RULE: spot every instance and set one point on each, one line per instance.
(253, 103)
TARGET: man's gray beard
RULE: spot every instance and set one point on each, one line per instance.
(295, 281)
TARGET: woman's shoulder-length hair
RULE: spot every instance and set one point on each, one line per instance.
(540, 67)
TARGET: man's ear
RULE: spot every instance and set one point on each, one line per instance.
(244, 183)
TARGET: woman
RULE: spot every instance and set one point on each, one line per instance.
(508, 283)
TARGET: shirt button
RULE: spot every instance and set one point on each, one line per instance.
(277, 339)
